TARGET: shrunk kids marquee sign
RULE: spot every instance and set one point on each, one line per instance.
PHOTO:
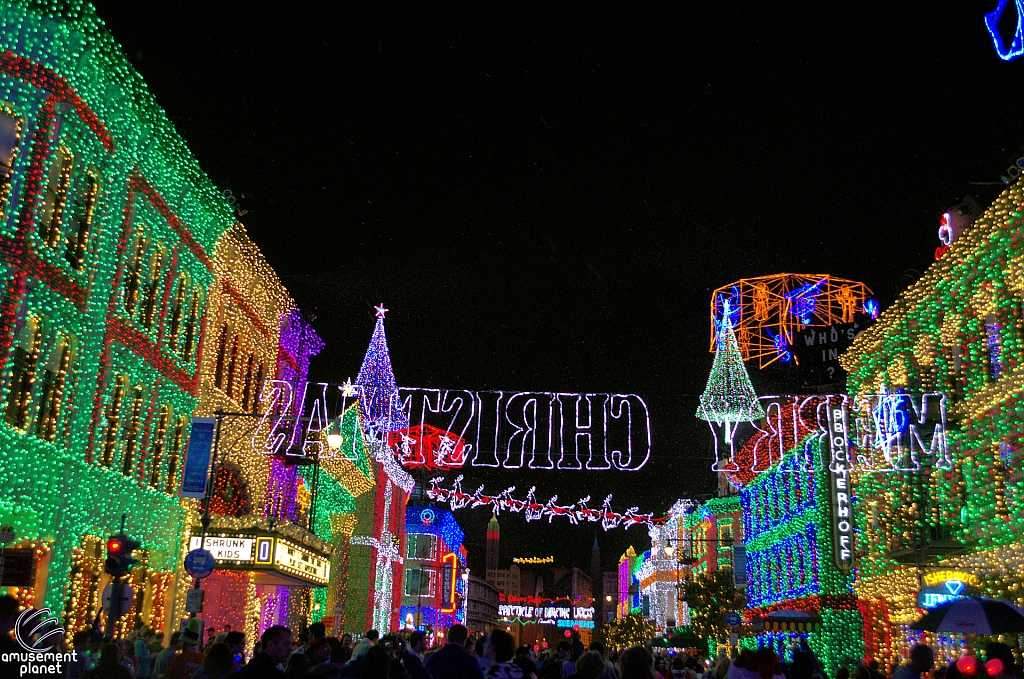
(450, 428)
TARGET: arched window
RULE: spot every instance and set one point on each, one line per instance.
(177, 309)
(232, 366)
(159, 444)
(152, 289)
(25, 361)
(174, 454)
(190, 330)
(55, 197)
(222, 350)
(55, 376)
(113, 417)
(134, 277)
(81, 220)
(133, 432)
(247, 386)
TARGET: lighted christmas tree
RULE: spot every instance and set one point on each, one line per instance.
(379, 401)
(729, 396)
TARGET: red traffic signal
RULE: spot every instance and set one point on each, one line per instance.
(114, 545)
(119, 559)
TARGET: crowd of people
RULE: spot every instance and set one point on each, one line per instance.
(313, 655)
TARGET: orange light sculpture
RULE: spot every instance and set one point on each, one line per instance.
(767, 311)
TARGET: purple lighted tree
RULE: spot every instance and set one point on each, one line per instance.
(379, 402)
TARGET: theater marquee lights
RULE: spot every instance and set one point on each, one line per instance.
(276, 559)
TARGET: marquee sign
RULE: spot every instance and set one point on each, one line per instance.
(449, 428)
(277, 559)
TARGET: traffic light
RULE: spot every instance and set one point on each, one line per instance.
(119, 555)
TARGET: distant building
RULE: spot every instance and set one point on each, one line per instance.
(481, 606)
(493, 540)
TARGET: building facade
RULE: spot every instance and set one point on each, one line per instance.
(939, 506)
(107, 235)
(433, 588)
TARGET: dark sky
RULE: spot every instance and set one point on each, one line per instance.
(546, 197)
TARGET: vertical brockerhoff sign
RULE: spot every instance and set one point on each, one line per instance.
(197, 457)
(839, 476)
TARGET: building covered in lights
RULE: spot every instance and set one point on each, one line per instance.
(943, 517)
(108, 228)
(434, 589)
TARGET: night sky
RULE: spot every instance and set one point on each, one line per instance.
(545, 198)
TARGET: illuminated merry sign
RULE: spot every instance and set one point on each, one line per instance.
(893, 432)
(444, 429)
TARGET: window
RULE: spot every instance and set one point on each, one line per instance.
(152, 290)
(419, 546)
(113, 417)
(134, 278)
(133, 432)
(10, 136)
(23, 374)
(81, 220)
(247, 385)
(190, 329)
(177, 310)
(232, 366)
(55, 197)
(257, 389)
(159, 443)
(222, 350)
(417, 582)
(174, 455)
(54, 379)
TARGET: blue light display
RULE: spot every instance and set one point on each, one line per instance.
(872, 309)
(436, 521)
(1016, 46)
(804, 300)
(781, 342)
(777, 500)
(787, 570)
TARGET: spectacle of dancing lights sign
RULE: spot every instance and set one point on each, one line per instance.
(558, 612)
(450, 428)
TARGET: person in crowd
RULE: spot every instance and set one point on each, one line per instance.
(499, 648)
(109, 665)
(85, 660)
(275, 645)
(922, 658)
(478, 650)
(576, 647)
(186, 663)
(636, 663)
(590, 665)
(452, 661)
(298, 666)
(157, 644)
(218, 662)
(128, 659)
(525, 662)
(378, 662)
(760, 664)
(236, 642)
(341, 653)
(803, 666)
(163, 658)
(554, 667)
(144, 652)
(364, 644)
(609, 668)
(411, 655)
(1001, 652)
(721, 667)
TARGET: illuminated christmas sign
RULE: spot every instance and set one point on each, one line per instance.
(443, 429)
(560, 612)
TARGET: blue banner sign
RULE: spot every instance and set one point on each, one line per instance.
(197, 457)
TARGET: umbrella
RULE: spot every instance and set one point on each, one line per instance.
(973, 615)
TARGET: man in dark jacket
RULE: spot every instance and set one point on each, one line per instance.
(452, 661)
(275, 645)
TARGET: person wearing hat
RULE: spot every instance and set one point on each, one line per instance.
(190, 659)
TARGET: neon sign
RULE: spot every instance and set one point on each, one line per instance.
(533, 559)
(940, 587)
(445, 429)
(534, 510)
(1016, 46)
(888, 432)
